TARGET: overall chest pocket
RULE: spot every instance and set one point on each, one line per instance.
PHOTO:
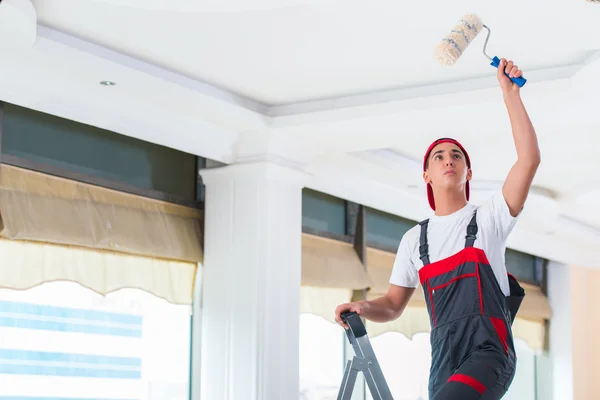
(455, 297)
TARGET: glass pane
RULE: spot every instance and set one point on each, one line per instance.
(543, 371)
(323, 213)
(60, 340)
(407, 380)
(321, 358)
(58, 142)
(523, 385)
(386, 230)
(521, 265)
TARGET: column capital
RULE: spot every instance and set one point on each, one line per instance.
(272, 168)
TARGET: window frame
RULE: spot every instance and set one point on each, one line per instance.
(374, 245)
(539, 267)
(346, 238)
(20, 162)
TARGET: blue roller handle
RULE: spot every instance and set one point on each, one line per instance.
(520, 81)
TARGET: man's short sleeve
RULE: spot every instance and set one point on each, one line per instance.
(404, 272)
(497, 212)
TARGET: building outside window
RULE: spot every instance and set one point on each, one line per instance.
(60, 340)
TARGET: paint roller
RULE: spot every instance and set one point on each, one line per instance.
(462, 34)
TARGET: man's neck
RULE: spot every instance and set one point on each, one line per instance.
(449, 202)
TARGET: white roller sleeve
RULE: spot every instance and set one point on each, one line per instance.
(453, 45)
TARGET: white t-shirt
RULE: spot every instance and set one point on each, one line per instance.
(446, 236)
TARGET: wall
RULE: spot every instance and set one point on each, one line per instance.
(585, 299)
(574, 349)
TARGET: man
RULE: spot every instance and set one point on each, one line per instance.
(457, 256)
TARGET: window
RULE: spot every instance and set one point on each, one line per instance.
(523, 386)
(322, 359)
(47, 143)
(384, 231)
(405, 364)
(323, 214)
(60, 340)
(525, 267)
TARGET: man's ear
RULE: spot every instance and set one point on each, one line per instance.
(426, 177)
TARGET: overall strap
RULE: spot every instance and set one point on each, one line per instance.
(471, 231)
(423, 246)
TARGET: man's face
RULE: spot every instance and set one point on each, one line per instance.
(447, 167)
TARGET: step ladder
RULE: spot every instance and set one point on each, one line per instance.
(364, 361)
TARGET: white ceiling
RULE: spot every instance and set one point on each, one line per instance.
(348, 90)
(312, 49)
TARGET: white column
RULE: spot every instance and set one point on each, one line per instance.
(251, 282)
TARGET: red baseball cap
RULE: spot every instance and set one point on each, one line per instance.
(431, 146)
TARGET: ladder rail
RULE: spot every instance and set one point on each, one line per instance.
(348, 382)
(364, 361)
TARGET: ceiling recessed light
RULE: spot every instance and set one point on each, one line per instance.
(108, 83)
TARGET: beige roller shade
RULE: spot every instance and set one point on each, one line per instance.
(414, 319)
(532, 332)
(26, 264)
(331, 264)
(331, 270)
(40, 207)
(322, 301)
(379, 268)
(535, 306)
